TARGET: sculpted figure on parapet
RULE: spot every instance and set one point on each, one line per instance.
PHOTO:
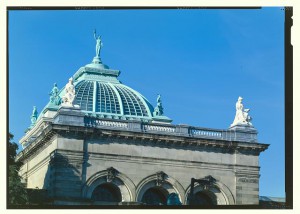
(69, 96)
(34, 115)
(158, 110)
(54, 95)
(242, 115)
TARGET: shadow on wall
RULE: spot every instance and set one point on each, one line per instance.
(63, 180)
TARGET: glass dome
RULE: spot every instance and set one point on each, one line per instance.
(99, 93)
(109, 98)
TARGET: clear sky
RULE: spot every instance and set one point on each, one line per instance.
(200, 61)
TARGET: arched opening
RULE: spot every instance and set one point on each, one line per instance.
(201, 198)
(154, 196)
(216, 193)
(107, 192)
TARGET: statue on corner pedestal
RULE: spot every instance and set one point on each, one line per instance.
(158, 110)
(242, 115)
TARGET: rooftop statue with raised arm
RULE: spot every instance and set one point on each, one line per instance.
(99, 44)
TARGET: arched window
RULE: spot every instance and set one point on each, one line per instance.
(154, 196)
(107, 192)
(201, 198)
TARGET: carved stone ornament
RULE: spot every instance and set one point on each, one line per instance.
(160, 178)
(111, 174)
(242, 115)
(207, 182)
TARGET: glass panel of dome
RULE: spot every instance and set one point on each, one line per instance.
(124, 100)
(84, 96)
(136, 101)
(106, 99)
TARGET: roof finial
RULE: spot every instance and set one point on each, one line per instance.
(99, 45)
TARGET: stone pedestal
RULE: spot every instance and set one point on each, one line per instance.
(246, 133)
(69, 116)
(161, 119)
(242, 127)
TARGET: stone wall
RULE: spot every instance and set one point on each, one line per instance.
(74, 162)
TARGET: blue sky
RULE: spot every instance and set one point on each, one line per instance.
(200, 61)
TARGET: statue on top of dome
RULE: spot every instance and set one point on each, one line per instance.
(242, 115)
(99, 44)
(68, 98)
(54, 95)
(158, 110)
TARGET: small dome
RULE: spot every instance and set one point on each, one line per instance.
(99, 93)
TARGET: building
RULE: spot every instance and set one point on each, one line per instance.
(272, 202)
(99, 141)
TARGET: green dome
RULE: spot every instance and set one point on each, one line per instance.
(99, 93)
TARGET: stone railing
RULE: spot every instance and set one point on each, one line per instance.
(111, 124)
(205, 132)
(155, 128)
(179, 130)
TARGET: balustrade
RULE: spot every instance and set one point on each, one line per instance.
(227, 135)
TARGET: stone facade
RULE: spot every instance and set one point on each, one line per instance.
(71, 154)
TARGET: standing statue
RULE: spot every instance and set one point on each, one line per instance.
(99, 44)
(34, 115)
(158, 99)
(54, 97)
(69, 96)
(158, 110)
(242, 115)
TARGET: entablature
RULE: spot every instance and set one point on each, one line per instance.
(135, 132)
